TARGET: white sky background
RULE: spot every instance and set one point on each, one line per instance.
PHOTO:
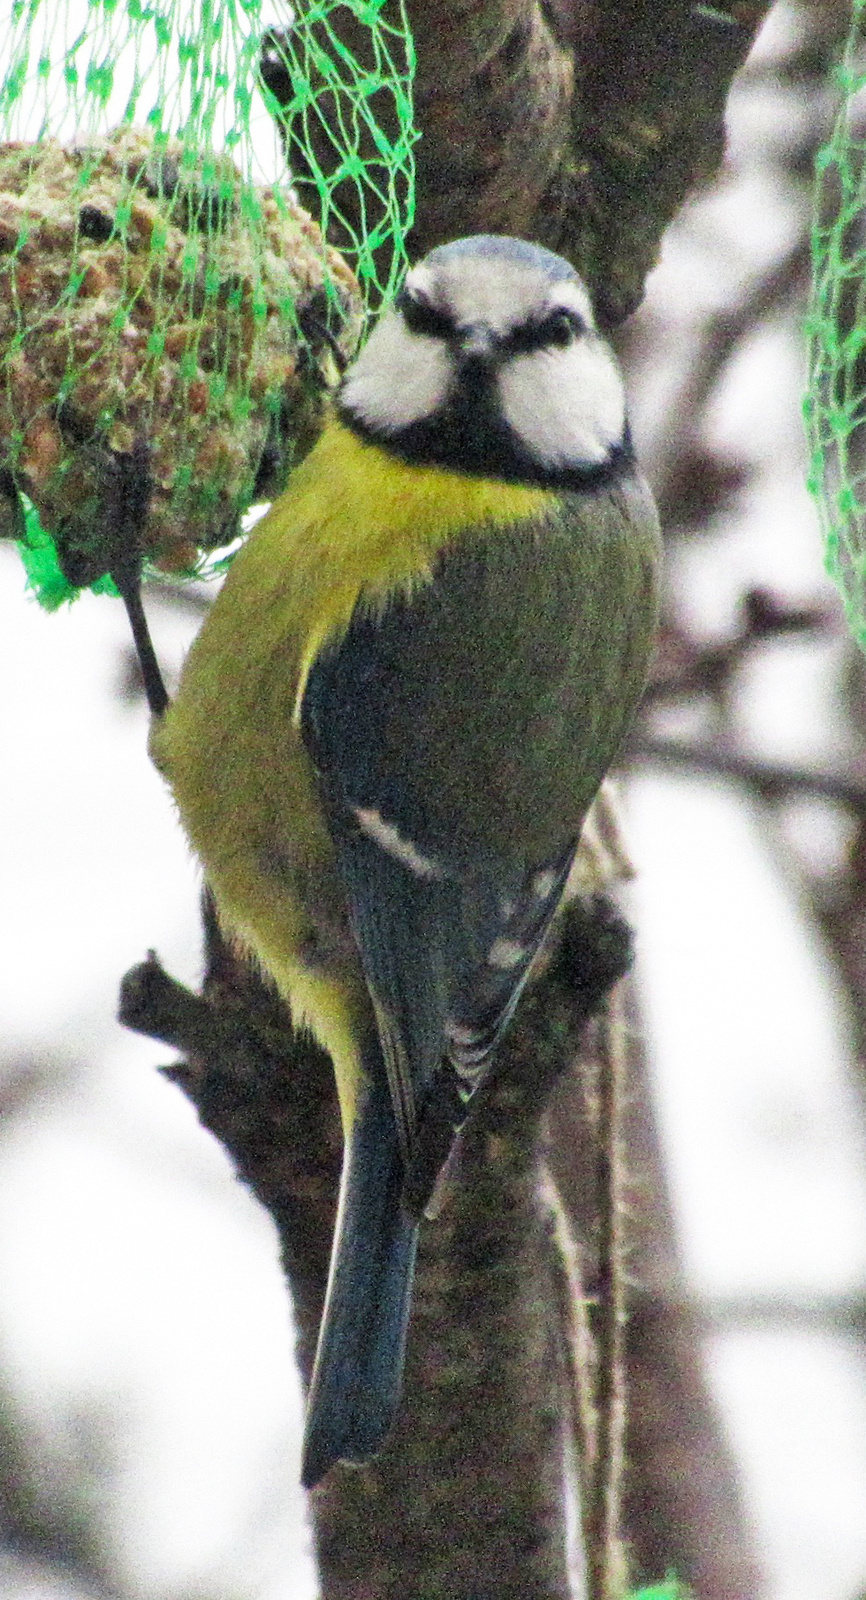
(145, 1342)
(760, 1110)
(144, 72)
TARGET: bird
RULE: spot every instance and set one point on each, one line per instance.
(390, 727)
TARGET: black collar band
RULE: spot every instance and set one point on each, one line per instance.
(479, 443)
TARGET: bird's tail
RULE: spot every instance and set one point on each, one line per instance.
(359, 1361)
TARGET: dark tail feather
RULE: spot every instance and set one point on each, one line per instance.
(356, 1379)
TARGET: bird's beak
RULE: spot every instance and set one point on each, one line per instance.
(477, 345)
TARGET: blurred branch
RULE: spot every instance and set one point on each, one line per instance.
(686, 666)
(722, 335)
(843, 1313)
(769, 779)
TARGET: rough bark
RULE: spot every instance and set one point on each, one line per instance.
(581, 125)
(467, 1499)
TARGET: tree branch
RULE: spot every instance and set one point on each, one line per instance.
(479, 1441)
(768, 778)
(580, 124)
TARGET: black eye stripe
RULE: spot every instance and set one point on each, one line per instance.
(420, 316)
(557, 329)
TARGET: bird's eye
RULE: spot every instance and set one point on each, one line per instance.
(420, 316)
(557, 327)
(561, 326)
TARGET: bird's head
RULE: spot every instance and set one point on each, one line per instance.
(489, 361)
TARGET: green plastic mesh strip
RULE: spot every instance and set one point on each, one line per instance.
(835, 403)
(671, 1589)
(199, 202)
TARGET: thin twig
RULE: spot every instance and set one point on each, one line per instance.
(768, 777)
(605, 1554)
(579, 1346)
(722, 336)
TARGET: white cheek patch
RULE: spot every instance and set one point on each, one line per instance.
(566, 406)
(399, 377)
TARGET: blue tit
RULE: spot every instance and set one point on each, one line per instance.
(391, 725)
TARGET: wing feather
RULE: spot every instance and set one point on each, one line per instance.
(460, 734)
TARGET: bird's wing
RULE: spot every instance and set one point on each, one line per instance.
(447, 917)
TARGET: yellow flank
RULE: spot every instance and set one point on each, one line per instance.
(355, 523)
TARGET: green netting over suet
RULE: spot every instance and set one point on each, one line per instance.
(835, 405)
(199, 201)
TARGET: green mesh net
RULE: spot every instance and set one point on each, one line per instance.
(199, 202)
(835, 405)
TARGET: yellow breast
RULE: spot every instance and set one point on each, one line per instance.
(355, 520)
